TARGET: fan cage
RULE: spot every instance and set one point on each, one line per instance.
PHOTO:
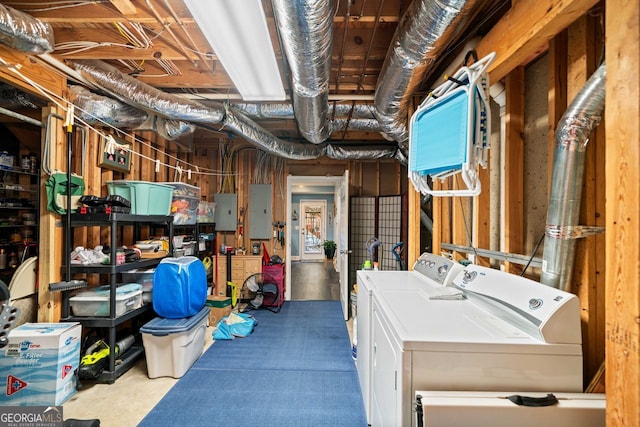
(260, 290)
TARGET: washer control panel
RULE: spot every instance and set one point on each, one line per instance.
(440, 269)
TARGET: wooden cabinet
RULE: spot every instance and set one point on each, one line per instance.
(242, 266)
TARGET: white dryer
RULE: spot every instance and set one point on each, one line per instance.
(508, 333)
(429, 270)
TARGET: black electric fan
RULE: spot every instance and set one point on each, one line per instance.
(260, 290)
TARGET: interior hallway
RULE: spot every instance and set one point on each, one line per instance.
(314, 281)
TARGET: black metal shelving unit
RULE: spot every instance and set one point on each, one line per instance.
(114, 221)
(19, 195)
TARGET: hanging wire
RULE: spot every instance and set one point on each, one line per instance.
(533, 254)
(466, 225)
(64, 105)
(58, 5)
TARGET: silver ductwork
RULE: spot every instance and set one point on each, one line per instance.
(285, 111)
(23, 32)
(342, 124)
(306, 31)
(12, 97)
(141, 95)
(254, 133)
(572, 136)
(96, 109)
(361, 118)
(262, 139)
(423, 32)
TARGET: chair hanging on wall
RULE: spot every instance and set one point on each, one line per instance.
(449, 132)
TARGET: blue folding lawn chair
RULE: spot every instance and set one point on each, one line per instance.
(449, 132)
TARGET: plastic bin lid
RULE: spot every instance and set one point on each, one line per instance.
(161, 326)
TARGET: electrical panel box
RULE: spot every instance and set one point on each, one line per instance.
(260, 211)
(226, 214)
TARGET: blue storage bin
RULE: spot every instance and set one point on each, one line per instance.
(161, 326)
(179, 287)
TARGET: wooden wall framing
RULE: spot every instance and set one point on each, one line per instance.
(608, 286)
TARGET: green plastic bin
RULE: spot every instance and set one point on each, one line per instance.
(147, 198)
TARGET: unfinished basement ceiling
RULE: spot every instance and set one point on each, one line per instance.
(159, 43)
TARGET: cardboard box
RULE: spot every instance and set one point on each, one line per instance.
(219, 307)
(39, 363)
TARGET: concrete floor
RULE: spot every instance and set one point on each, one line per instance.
(126, 402)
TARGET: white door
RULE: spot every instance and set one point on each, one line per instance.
(313, 229)
(341, 197)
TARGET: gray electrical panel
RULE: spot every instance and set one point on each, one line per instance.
(226, 214)
(260, 211)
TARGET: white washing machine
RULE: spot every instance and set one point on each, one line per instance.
(508, 333)
(429, 270)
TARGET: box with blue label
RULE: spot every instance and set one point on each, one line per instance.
(38, 365)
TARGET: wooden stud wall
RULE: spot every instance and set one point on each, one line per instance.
(513, 166)
(622, 252)
(588, 274)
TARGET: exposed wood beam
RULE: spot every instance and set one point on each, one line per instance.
(582, 62)
(124, 6)
(525, 30)
(623, 213)
(514, 165)
(340, 20)
(197, 79)
(24, 65)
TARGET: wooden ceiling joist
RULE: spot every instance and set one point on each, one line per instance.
(524, 31)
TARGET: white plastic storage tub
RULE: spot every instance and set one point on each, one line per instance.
(95, 302)
(171, 346)
(144, 278)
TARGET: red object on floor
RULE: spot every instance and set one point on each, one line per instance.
(265, 255)
(276, 272)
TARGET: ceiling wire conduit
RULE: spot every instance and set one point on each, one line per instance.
(306, 31)
(572, 137)
(424, 30)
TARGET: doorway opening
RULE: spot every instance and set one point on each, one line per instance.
(316, 208)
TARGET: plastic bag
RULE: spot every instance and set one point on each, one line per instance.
(235, 325)
(56, 187)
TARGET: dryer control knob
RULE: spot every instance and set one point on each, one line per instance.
(535, 303)
(442, 270)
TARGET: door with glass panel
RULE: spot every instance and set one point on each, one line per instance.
(313, 229)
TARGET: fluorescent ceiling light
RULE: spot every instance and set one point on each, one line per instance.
(237, 31)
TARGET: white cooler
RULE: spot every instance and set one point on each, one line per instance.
(171, 346)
